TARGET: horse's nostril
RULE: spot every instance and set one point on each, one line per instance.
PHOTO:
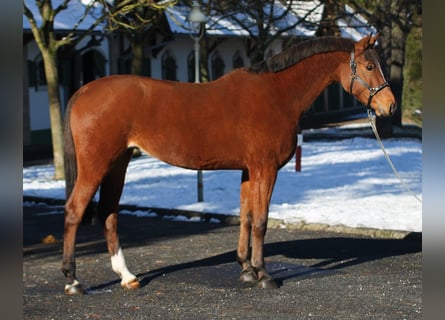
(392, 108)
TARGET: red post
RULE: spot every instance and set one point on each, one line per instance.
(298, 152)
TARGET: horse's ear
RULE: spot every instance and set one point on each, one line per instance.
(373, 39)
(365, 43)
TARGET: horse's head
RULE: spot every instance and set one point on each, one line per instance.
(365, 78)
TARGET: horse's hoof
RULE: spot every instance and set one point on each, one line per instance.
(248, 276)
(267, 282)
(74, 288)
(133, 284)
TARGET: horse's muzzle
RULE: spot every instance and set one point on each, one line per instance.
(392, 109)
(384, 111)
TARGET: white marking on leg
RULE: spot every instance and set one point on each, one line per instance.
(69, 286)
(74, 288)
(120, 267)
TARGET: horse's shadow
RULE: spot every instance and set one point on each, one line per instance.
(331, 255)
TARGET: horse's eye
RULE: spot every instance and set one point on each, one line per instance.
(370, 67)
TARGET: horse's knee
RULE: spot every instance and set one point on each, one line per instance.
(259, 227)
(72, 216)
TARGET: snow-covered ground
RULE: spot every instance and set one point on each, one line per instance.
(345, 182)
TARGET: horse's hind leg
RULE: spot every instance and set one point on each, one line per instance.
(83, 191)
(110, 193)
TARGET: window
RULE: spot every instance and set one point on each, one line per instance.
(36, 73)
(218, 66)
(238, 61)
(168, 67)
(146, 67)
(93, 66)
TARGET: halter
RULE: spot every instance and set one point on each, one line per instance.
(354, 76)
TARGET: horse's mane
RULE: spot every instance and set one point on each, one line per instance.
(301, 51)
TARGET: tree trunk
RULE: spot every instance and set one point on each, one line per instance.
(49, 60)
(26, 115)
(328, 24)
(396, 70)
(137, 48)
(203, 60)
(384, 125)
(395, 53)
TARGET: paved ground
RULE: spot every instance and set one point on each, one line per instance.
(188, 271)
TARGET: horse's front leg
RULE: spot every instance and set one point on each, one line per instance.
(262, 183)
(243, 253)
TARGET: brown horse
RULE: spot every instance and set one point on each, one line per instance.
(246, 120)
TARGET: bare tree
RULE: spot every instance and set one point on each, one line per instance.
(139, 20)
(264, 20)
(328, 25)
(49, 43)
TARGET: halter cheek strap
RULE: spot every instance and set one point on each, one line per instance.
(354, 76)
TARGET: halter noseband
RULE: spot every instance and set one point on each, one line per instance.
(354, 76)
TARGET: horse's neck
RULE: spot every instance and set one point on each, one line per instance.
(305, 81)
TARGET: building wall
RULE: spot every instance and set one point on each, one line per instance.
(182, 47)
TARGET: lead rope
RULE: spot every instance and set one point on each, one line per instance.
(374, 129)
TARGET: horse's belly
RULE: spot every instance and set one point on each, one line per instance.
(195, 156)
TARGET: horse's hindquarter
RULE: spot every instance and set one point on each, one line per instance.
(100, 117)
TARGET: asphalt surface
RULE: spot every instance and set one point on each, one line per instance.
(188, 271)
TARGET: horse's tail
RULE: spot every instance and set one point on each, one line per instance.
(70, 164)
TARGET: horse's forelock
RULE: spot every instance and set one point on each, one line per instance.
(371, 55)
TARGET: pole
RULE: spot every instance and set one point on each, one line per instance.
(200, 185)
(197, 18)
